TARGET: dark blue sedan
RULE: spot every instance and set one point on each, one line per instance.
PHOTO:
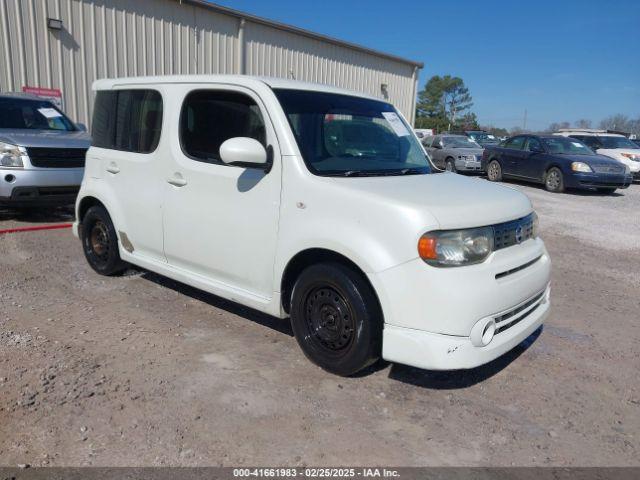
(557, 162)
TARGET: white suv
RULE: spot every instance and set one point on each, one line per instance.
(313, 203)
(612, 145)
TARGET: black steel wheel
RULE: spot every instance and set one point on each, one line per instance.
(336, 318)
(100, 242)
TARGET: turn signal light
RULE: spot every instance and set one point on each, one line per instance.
(427, 248)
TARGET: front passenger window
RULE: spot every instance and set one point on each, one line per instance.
(210, 117)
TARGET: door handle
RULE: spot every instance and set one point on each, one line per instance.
(177, 181)
(113, 168)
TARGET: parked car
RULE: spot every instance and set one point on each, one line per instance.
(482, 138)
(555, 161)
(636, 141)
(42, 153)
(454, 153)
(314, 203)
(423, 132)
(612, 145)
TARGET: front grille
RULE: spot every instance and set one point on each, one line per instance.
(511, 318)
(512, 233)
(57, 157)
(608, 168)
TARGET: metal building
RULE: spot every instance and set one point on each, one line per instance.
(64, 45)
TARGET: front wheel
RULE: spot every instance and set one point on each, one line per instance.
(100, 242)
(450, 165)
(494, 171)
(336, 318)
(554, 181)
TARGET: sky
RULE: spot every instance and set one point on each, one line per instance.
(560, 60)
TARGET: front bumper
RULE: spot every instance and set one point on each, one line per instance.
(434, 351)
(430, 310)
(598, 180)
(468, 165)
(45, 187)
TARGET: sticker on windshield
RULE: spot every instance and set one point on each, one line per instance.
(50, 112)
(576, 144)
(491, 137)
(396, 123)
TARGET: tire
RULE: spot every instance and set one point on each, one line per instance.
(336, 318)
(450, 165)
(100, 242)
(494, 171)
(606, 190)
(554, 181)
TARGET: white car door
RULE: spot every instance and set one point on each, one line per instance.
(221, 221)
(129, 154)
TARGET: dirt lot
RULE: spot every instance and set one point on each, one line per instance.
(139, 370)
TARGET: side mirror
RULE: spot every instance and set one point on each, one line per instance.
(437, 145)
(81, 126)
(244, 152)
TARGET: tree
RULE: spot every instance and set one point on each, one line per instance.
(442, 101)
(616, 122)
(583, 123)
(554, 127)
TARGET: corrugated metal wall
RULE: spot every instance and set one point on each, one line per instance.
(119, 38)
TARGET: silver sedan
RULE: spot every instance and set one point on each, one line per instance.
(455, 153)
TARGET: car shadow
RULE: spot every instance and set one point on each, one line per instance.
(38, 215)
(458, 379)
(437, 380)
(279, 325)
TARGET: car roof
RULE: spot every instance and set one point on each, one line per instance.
(242, 80)
(21, 95)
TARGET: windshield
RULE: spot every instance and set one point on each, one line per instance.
(341, 135)
(459, 142)
(610, 141)
(23, 113)
(482, 137)
(564, 145)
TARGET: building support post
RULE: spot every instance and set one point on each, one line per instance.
(241, 49)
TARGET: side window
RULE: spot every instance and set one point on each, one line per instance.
(128, 120)
(533, 145)
(210, 117)
(104, 119)
(516, 143)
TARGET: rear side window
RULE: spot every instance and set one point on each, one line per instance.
(210, 117)
(128, 120)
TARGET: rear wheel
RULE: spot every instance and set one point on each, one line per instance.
(494, 171)
(336, 318)
(554, 181)
(606, 190)
(100, 242)
(450, 165)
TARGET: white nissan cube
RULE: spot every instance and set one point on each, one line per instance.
(315, 204)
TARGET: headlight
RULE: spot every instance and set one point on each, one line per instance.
(535, 225)
(632, 156)
(627, 169)
(581, 167)
(11, 155)
(452, 248)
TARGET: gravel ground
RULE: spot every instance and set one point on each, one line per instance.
(139, 370)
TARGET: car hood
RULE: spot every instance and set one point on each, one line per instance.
(453, 200)
(45, 138)
(465, 151)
